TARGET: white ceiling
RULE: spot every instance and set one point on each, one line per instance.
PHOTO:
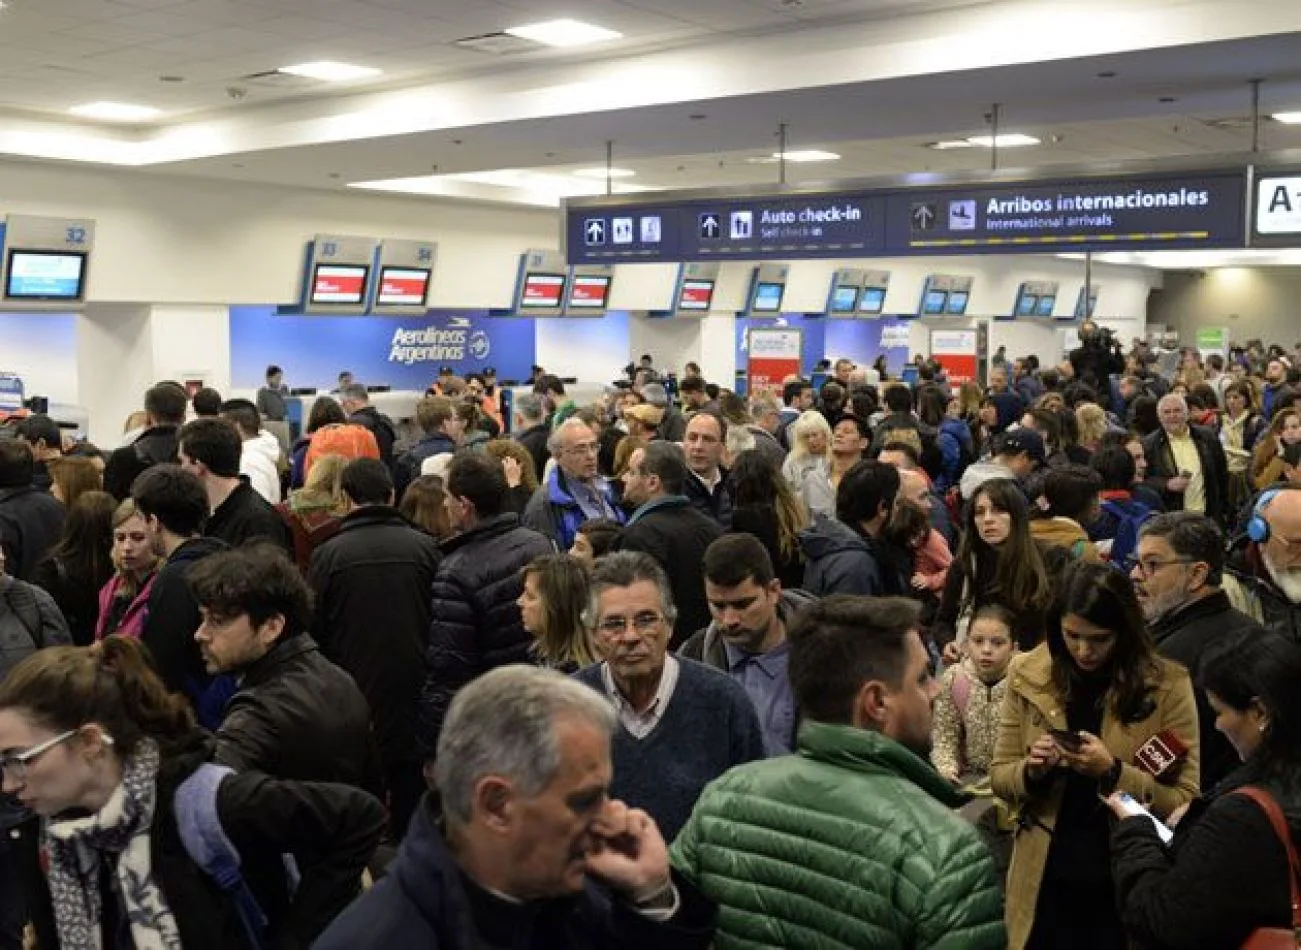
(694, 91)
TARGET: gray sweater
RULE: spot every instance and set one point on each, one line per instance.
(709, 726)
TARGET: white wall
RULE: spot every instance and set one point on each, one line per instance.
(114, 363)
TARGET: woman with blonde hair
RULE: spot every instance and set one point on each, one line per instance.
(124, 600)
(1091, 422)
(314, 513)
(808, 467)
(551, 606)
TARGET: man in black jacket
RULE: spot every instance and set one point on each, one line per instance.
(31, 520)
(1096, 359)
(444, 430)
(706, 485)
(210, 449)
(1177, 576)
(670, 529)
(1186, 463)
(477, 623)
(520, 846)
(165, 413)
(295, 715)
(372, 582)
(356, 404)
(175, 507)
(1266, 561)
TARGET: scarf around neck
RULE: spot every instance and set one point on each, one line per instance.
(119, 831)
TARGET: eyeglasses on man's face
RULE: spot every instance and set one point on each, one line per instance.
(647, 621)
(1146, 567)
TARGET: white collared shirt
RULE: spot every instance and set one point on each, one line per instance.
(642, 724)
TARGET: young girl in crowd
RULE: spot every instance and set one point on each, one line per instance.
(910, 528)
(971, 699)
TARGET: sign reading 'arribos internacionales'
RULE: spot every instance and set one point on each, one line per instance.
(1133, 212)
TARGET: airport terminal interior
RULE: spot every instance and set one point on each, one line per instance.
(563, 203)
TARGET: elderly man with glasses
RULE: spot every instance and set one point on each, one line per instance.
(574, 491)
(681, 724)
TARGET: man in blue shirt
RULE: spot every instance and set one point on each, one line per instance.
(747, 639)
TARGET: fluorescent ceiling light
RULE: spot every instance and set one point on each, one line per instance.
(115, 112)
(1287, 118)
(563, 33)
(509, 184)
(1008, 140)
(951, 143)
(327, 71)
(807, 155)
(604, 173)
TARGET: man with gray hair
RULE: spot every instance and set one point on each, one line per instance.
(355, 402)
(681, 723)
(674, 424)
(1186, 463)
(765, 424)
(531, 429)
(574, 492)
(521, 843)
(1177, 571)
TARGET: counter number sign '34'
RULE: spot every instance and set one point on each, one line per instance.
(1278, 205)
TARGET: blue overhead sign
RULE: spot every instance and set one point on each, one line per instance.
(1134, 212)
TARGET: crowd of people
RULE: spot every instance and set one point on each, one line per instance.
(865, 664)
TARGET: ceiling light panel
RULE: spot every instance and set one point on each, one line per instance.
(564, 33)
(329, 71)
(115, 112)
(807, 155)
(1008, 140)
(1287, 118)
(603, 173)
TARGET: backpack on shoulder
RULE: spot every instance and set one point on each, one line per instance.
(208, 846)
(1128, 525)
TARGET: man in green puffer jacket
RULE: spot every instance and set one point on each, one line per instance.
(851, 842)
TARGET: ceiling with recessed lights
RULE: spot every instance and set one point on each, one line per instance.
(687, 93)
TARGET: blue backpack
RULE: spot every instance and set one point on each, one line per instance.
(206, 843)
(1128, 524)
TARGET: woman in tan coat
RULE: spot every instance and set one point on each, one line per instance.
(1127, 721)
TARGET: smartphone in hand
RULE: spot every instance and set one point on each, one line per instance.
(1066, 739)
(1132, 808)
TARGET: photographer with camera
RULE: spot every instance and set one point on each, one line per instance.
(1097, 357)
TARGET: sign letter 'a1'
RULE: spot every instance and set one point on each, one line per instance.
(1278, 205)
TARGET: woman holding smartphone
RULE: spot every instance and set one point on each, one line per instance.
(1089, 712)
(1226, 873)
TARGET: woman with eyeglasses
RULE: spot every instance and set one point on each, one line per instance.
(998, 562)
(1226, 873)
(91, 741)
(1089, 712)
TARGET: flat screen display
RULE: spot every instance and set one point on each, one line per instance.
(934, 301)
(589, 291)
(767, 297)
(1026, 305)
(958, 302)
(1046, 304)
(696, 295)
(45, 275)
(843, 300)
(542, 291)
(1085, 304)
(872, 301)
(403, 287)
(338, 284)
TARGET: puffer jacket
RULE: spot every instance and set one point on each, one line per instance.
(29, 621)
(965, 731)
(955, 444)
(477, 625)
(1034, 704)
(839, 560)
(855, 844)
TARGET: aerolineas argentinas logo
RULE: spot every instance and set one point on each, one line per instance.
(436, 345)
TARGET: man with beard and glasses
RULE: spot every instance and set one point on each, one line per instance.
(1177, 571)
(1267, 562)
(853, 839)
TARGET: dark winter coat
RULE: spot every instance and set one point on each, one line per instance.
(246, 516)
(1265, 601)
(407, 467)
(534, 439)
(156, 446)
(373, 583)
(715, 504)
(1161, 468)
(676, 535)
(298, 716)
(29, 621)
(174, 617)
(839, 560)
(426, 901)
(476, 625)
(30, 524)
(381, 426)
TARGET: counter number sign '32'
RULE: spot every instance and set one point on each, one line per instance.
(1278, 205)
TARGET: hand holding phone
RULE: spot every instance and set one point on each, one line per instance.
(1124, 805)
(1066, 739)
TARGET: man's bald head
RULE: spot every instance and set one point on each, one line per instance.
(1282, 552)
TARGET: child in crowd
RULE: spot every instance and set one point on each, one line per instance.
(911, 526)
(971, 698)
